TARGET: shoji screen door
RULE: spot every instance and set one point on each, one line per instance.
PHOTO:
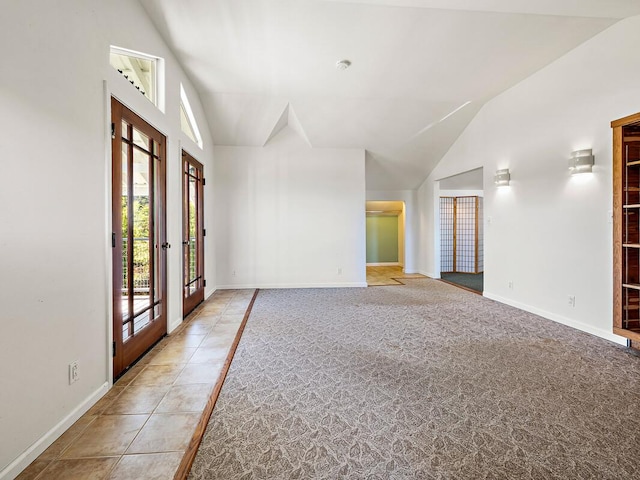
(461, 235)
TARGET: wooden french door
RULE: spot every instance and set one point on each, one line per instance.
(192, 233)
(138, 238)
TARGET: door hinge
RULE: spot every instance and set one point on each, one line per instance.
(204, 283)
(113, 131)
(204, 182)
(113, 352)
(113, 239)
(204, 232)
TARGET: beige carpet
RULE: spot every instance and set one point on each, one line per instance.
(420, 382)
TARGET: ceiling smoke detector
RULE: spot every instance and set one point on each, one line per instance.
(343, 64)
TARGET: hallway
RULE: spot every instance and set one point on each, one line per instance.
(388, 275)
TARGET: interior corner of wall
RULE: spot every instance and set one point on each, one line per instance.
(208, 292)
(174, 324)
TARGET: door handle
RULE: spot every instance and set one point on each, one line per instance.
(166, 245)
(185, 242)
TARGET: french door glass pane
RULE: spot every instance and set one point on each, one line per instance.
(141, 140)
(141, 236)
(125, 132)
(157, 310)
(193, 192)
(126, 313)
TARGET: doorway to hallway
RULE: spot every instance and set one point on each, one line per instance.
(461, 230)
(385, 224)
(385, 242)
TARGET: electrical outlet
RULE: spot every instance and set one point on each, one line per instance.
(572, 300)
(511, 284)
(73, 372)
(233, 274)
(339, 271)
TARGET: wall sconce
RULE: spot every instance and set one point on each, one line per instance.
(502, 177)
(581, 161)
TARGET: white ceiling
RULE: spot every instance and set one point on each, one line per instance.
(421, 69)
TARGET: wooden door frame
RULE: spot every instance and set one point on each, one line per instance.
(147, 335)
(192, 301)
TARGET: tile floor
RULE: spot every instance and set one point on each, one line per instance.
(390, 275)
(142, 426)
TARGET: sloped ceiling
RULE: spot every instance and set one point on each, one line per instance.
(471, 180)
(421, 69)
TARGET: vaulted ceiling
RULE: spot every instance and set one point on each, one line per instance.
(421, 69)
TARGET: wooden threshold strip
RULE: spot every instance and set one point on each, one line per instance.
(196, 439)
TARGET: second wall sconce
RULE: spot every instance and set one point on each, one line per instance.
(502, 177)
(581, 161)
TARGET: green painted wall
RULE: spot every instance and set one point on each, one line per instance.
(382, 239)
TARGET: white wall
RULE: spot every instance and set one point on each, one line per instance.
(288, 215)
(54, 206)
(411, 216)
(461, 193)
(549, 233)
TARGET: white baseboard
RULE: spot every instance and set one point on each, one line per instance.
(384, 264)
(584, 327)
(429, 274)
(294, 285)
(30, 454)
(174, 324)
(208, 293)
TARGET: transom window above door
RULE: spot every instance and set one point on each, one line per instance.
(187, 119)
(141, 70)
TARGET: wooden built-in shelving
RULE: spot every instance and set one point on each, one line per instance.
(626, 228)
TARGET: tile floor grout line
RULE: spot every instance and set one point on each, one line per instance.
(198, 314)
(223, 309)
(192, 449)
